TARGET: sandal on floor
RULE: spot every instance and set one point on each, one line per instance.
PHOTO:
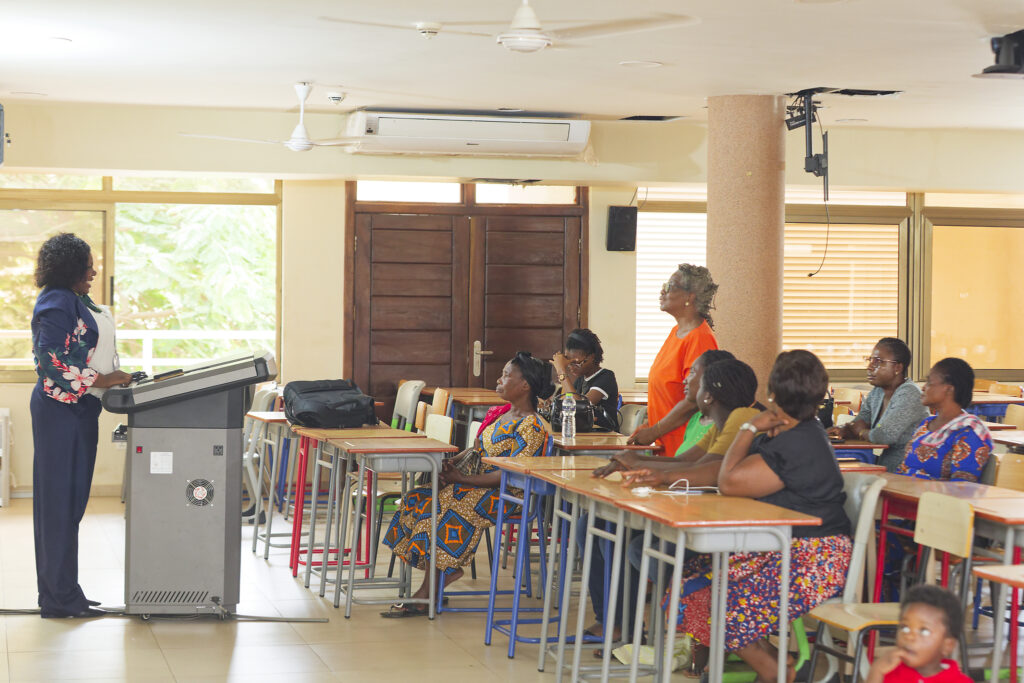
(400, 610)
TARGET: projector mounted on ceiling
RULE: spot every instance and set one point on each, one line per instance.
(1009, 52)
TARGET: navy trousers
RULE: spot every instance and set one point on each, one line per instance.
(65, 436)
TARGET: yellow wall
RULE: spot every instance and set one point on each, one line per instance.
(973, 317)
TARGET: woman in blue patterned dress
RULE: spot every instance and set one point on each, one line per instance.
(467, 500)
(952, 444)
(73, 345)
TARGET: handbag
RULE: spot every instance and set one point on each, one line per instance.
(328, 404)
(584, 415)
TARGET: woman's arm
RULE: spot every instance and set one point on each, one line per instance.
(743, 473)
(968, 455)
(676, 418)
(704, 473)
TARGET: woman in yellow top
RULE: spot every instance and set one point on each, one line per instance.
(726, 396)
(688, 297)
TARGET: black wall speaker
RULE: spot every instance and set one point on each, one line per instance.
(621, 228)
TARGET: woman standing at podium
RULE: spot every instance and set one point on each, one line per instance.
(75, 358)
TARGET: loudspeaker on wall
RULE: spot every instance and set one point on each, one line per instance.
(621, 228)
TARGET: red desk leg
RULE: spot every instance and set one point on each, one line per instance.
(1014, 628)
(300, 501)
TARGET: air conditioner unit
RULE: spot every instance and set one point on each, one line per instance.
(402, 133)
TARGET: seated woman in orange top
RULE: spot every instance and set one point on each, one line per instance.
(687, 297)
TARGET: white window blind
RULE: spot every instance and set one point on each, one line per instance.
(842, 311)
(663, 241)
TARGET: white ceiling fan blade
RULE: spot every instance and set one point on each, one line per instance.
(335, 142)
(622, 26)
(372, 24)
(225, 137)
(442, 27)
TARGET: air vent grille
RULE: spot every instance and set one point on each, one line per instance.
(199, 492)
(170, 597)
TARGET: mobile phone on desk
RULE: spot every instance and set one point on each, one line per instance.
(168, 375)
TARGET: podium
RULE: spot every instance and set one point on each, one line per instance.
(184, 499)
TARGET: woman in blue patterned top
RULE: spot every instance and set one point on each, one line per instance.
(73, 345)
(467, 499)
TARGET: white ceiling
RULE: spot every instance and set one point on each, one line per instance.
(246, 54)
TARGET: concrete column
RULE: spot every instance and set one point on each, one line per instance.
(746, 218)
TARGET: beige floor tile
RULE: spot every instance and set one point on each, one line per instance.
(32, 634)
(303, 677)
(130, 665)
(418, 655)
(243, 660)
(179, 634)
(4, 678)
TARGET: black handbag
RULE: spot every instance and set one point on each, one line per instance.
(584, 415)
(328, 404)
(825, 411)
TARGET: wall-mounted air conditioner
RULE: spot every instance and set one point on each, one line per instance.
(401, 133)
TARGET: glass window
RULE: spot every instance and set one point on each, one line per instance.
(254, 185)
(193, 282)
(50, 181)
(672, 193)
(853, 301)
(493, 193)
(815, 195)
(980, 201)
(398, 191)
(663, 241)
(976, 295)
(22, 232)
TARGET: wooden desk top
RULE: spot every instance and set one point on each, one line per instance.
(910, 488)
(858, 466)
(607, 490)
(1011, 437)
(526, 465)
(392, 445)
(842, 402)
(1002, 510)
(274, 417)
(981, 399)
(380, 430)
(998, 426)
(1011, 575)
(856, 444)
(599, 441)
(711, 510)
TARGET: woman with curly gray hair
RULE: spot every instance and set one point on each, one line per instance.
(688, 296)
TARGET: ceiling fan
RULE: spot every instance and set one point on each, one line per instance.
(525, 34)
(299, 140)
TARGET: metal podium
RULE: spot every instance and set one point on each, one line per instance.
(184, 501)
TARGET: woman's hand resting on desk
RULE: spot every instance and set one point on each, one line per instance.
(644, 477)
(644, 436)
(623, 460)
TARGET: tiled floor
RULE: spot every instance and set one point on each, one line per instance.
(363, 648)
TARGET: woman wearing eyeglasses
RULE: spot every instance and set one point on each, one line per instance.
(580, 373)
(952, 443)
(687, 297)
(892, 410)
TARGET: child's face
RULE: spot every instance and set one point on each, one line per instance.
(923, 639)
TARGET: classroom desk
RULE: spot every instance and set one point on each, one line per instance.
(375, 455)
(1014, 438)
(603, 444)
(704, 523)
(268, 420)
(992, 405)
(469, 404)
(856, 445)
(998, 515)
(854, 465)
(312, 437)
(998, 426)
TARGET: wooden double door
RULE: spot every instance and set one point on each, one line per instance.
(450, 298)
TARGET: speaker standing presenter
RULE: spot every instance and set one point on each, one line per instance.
(74, 351)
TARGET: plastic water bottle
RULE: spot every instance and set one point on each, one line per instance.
(568, 417)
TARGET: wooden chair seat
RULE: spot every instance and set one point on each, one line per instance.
(853, 617)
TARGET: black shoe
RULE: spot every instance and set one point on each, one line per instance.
(87, 613)
(93, 603)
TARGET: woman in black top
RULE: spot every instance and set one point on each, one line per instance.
(580, 372)
(791, 465)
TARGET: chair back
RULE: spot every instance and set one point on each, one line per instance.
(1005, 389)
(983, 384)
(862, 491)
(405, 404)
(945, 523)
(849, 394)
(632, 416)
(1014, 416)
(1010, 474)
(439, 406)
(421, 415)
(474, 427)
(439, 427)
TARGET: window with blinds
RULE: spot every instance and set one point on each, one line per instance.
(663, 241)
(843, 310)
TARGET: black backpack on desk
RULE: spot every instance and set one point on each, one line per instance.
(328, 404)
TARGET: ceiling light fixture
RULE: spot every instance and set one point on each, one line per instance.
(1009, 52)
(525, 34)
(641, 64)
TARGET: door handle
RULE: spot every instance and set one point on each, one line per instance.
(478, 354)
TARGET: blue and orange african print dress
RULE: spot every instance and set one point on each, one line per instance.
(463, 512)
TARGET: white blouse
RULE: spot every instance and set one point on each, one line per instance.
(104, 357)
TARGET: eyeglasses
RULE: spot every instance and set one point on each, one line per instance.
(579, 361)
(874, 361)
(669, 286)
